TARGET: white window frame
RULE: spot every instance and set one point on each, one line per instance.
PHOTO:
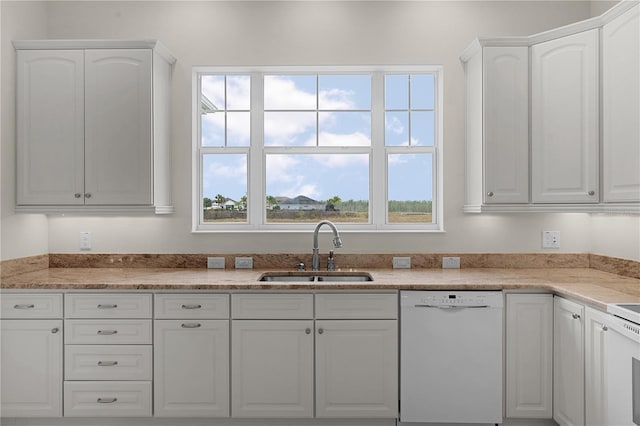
(256, 152)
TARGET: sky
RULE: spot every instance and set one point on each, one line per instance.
(323, 111)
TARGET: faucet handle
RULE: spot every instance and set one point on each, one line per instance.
(331, 264)
(300, 266)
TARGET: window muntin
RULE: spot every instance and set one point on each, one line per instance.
(349, 107)
(225, 103)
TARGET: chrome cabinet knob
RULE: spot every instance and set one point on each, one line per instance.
(87, 195)
(307, 331)
(592, 193)
(605, 328)
(490, 193)
(55, 330)
(320, 331)
(575, 316)
(77, 195)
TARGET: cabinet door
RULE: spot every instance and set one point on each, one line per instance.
(595, 365)
(529, 356)
(50, 127)
(118, 127)
(31, 368)
(564, 119)
(272, 368)
(506, 124)
(357, 368)
(568, 362)
(191, 368)
(621, 107)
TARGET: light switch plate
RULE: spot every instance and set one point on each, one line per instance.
(401, 263)
(85, 240)
(450, 262)
(215, 262)
(244, 262)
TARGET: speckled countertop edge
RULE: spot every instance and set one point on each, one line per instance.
(590, 286)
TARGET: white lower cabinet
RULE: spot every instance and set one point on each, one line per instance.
(568, 362)
(31, 368)
(595, 397)
(108, 362)
(345, 368)
(191, 368)
(529, 356)
(107, 399)
(356, 374)
(272, 368)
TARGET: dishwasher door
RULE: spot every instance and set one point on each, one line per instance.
(451, 357)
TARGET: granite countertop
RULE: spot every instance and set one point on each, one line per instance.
(591, 286)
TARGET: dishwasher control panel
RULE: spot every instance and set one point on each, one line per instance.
(453, 298)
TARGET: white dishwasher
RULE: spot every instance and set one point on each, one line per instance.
(451, 357)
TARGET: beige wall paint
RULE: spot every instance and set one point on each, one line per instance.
(317, 33)
(21, 235)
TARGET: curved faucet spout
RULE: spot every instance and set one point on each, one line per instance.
(337, 242)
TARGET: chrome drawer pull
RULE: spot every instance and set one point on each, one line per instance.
(107, 332)
(107, 400)
(110, 306)
(191, 325)
(107, 363)
(191, 306)
(24, 306)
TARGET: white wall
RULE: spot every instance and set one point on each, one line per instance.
(316, 33)
(22, 235)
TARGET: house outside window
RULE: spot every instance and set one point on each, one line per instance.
(283, 148)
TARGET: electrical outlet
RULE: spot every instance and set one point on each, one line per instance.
(244, 262)
(401, 263)
(551, 239)
(450, 263)
(215, 262)
(85, 240)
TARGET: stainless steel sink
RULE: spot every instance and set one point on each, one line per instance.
(315, 276)
(285, 278)
(359, 277)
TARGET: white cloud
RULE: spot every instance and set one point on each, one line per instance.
(351, 139)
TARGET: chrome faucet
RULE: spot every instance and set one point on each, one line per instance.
(337, 243)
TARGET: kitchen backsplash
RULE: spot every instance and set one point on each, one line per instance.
(280, 261)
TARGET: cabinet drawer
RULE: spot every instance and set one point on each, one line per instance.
(272, 306)
(353, 305)
(185, 306)
(107, 399)
(107, 362)
(107, 305)
(96, 332)
(30, 305)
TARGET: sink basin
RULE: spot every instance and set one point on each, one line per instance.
(317, 276)
(284, 277)
(358, 277)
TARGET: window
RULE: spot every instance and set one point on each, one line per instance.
(282, 148)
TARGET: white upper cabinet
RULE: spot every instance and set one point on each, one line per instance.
(621, 107)
(118, 126)
(506, 124)
(497, 153)
(93, 126)
(564, 119)
(50, 127)
(552, 119)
